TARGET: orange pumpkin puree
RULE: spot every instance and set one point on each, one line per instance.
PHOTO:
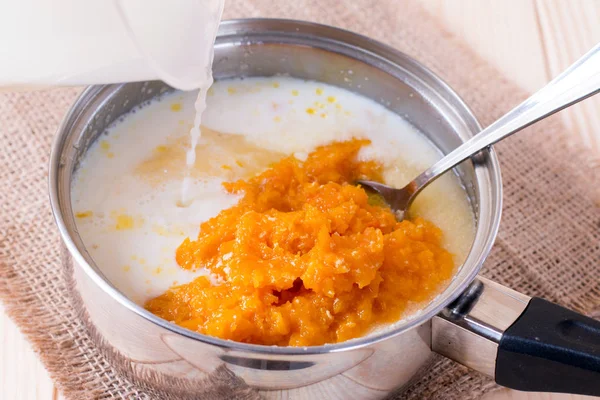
(304, 259)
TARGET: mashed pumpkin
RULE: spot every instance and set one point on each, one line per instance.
(304, 259)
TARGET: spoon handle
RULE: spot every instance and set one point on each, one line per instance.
(579, 81)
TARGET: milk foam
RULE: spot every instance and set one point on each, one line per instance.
(130, 179)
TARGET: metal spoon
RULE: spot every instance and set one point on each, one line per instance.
(579, 81)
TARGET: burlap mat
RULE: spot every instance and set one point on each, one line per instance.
(548, 244)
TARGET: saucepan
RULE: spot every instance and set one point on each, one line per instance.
(524, 343)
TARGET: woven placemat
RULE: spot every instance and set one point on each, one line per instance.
(548, 245)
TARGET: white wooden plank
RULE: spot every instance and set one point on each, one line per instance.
(504, 33)
(569, 29)
(506, 394)
(22, 375)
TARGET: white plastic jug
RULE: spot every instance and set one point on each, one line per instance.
(83, 42)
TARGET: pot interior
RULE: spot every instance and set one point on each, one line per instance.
(247, 48)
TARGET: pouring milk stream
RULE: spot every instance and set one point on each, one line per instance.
(73, 42)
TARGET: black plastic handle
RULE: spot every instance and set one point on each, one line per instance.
(550, 349)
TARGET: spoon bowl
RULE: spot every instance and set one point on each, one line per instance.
(397, 199)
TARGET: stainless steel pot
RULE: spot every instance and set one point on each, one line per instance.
(468, 328)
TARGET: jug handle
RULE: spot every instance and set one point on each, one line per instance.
(524, 343)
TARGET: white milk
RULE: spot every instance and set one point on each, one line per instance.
(128, 186)
(204, 83)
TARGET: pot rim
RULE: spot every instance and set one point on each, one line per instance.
(489, 165)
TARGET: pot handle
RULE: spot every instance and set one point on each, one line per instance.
(524, 343)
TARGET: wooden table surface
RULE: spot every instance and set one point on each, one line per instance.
(529, 41)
